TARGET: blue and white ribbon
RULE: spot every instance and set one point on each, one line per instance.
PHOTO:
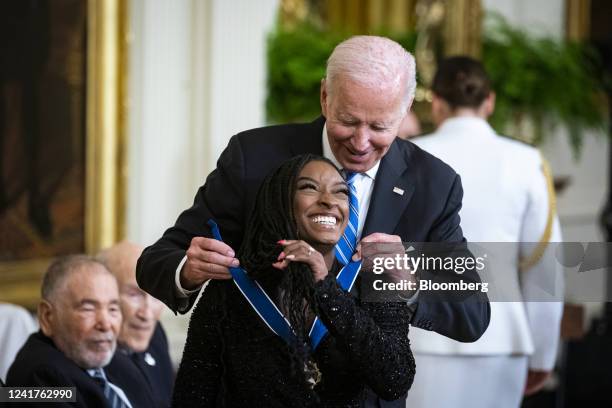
(267, 309)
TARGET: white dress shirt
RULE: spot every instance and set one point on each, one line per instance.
(363, 182)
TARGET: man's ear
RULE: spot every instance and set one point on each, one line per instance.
(46, 317)
(409, 107)
(323, 98)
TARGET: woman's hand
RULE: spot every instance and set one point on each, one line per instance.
(300, 251)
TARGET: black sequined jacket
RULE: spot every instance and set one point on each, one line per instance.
(232, 359)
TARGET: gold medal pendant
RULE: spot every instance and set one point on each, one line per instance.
(313, 374)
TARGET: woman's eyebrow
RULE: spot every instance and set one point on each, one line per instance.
(307, 179)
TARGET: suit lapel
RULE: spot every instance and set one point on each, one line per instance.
(310, 140)
(387, 205)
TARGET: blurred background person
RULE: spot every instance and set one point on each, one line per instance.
(507, 198)
(16, 325)
(410, 126)
(141, 337)
(80, 317)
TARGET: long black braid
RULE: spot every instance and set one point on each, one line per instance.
(272, 219)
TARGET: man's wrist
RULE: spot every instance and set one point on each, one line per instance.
(181, 292)
(411, 298)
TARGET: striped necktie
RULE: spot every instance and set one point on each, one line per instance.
(111, 395)
(346, 246)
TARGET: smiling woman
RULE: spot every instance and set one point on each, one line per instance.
(235, 358)
(321, 205)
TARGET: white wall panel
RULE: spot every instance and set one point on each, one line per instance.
(196, 77)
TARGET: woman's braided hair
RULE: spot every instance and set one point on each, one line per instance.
(271, 220)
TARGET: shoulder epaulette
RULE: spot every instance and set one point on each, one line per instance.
(538, 252)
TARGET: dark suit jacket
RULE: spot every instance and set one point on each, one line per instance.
(158, 373)
(40, 364)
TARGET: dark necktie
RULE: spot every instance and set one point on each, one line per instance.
(111, 395)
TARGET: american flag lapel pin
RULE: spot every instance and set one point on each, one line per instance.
(398, 190)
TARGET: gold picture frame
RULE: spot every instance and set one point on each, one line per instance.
(104, 209)
(577, 19)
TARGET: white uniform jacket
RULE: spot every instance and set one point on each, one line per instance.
(505, 200)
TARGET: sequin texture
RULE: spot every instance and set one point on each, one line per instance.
(233, 359)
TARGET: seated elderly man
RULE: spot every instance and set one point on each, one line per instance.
(80, 317)
(141, 336)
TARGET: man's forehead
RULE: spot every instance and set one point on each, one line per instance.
(129, 284)
(347, 106)
(348, 84)
(121, 259)
(94, 282)
(383, 117)
(125, 276)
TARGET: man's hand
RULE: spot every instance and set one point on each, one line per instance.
(535, 381)
(379, 245)
(379, 237)
(207, 259)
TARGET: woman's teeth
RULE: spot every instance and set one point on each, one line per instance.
(325, 220)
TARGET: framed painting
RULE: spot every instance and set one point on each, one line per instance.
(62, 81)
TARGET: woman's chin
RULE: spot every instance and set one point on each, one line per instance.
(324, 242)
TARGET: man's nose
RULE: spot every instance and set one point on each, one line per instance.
(361, 138)
(103, 320)
(145, 311)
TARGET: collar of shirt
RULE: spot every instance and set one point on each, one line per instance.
(116, 388)
(328, 154)
(363, 182)
(92, 373)
(469, 125)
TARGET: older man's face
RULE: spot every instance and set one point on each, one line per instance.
(361, 122)
(86, 317)
(141, 312)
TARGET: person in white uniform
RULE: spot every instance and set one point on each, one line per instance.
(16, 324)
(508, 197)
